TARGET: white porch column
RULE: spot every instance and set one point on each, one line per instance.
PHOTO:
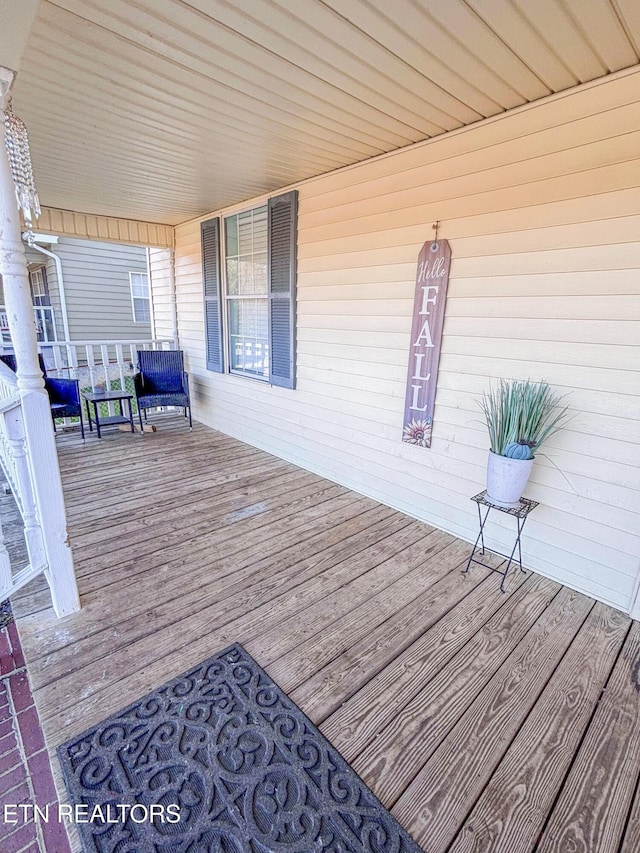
(40, 440)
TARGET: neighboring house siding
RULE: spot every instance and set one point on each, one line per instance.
(541, 211)
(97, 290)
(37, 259)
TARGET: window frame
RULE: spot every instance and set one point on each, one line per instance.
(43, 298)
(282, 238)
(227, 298)
(133, 298)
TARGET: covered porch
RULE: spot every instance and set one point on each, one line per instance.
(484, 721)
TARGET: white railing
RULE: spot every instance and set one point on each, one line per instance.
(98, 364)
(19, 475)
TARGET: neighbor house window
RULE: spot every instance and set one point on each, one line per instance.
(39, 286)
(140, 297)
(249, 291)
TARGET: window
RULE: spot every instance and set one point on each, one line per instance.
(246, 294)
(140, 297)
(250, 297)
(39, 286)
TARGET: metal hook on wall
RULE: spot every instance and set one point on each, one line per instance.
(435, 245)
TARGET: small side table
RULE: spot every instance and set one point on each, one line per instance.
(108, 397)
(520, 513)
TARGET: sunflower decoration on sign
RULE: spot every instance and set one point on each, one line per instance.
(418, 432)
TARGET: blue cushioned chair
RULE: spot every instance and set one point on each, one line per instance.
(64, 394)
(161, 381)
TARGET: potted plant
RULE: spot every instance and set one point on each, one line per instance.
(521, 415)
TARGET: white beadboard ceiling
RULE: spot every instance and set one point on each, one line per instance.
(162, 110)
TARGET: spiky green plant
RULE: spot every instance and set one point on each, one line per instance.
(522, 411)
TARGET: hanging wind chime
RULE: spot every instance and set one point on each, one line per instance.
(17, 144)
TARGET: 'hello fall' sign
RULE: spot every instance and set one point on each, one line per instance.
(426, 335)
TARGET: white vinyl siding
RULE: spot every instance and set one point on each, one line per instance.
(540, 207)
(161, 269)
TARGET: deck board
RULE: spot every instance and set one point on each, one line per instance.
(330, 686)
(434, 804)
(521, 792)
(475, 715)
(220, 601)
(592, 809)
(211, 577)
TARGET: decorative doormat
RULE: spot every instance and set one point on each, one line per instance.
(220, 760)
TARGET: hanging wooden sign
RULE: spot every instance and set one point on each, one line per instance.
(432, 279)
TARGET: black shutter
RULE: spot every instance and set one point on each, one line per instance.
(212, 294)
(283, 211)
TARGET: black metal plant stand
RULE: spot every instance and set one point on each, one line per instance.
(520, 513)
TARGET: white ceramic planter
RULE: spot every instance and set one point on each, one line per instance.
(506, 479)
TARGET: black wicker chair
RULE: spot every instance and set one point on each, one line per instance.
(161, 381)
(64, 394)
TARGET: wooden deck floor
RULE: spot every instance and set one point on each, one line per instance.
(485, 722)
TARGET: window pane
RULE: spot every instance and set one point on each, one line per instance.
(231, 230)
(44, 324)
(260, 229)
(37, 283)
(249, 336)
(232, 276)
(39, 290)
(260, 273)
(245, 232)
(141, 310)
(245, 275)
(139, 285)
(246, 253)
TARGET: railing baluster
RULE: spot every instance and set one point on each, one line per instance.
(6, 575)
(104, 355)
(14, 426)
(72, 357)
(91, 366)
(57, 359)
(16, 468)
(120, 360)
